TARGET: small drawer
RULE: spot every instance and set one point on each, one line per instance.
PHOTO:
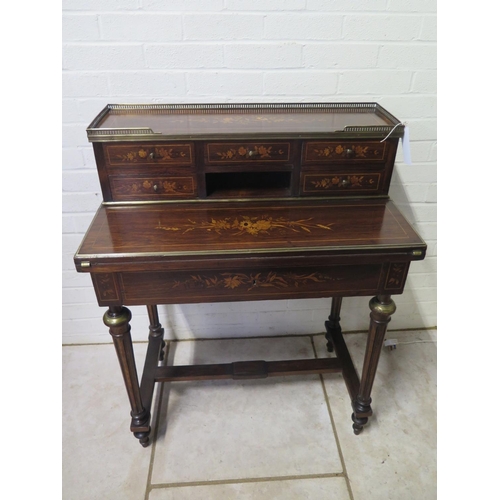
(332, 151)
(149, 154)
(339, 183)
(244, 152)
(125, 188)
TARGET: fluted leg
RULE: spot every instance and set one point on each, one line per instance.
(118, 318)
(333, 324)
(381, 307)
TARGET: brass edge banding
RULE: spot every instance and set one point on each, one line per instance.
(236, 200)
(245, 251)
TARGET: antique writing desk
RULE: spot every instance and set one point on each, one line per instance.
(235, 202)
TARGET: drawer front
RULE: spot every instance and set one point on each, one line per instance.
(149, 154)
(245, 152)
(318, 183)
(249, 284)
(152, 188)
(332, 151)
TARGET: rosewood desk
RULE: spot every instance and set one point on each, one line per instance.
(237, 202)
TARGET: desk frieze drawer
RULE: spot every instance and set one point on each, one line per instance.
(242, 152)
(125, 188)
(149, 154)
(249, 284)
(332, 151)
(339, 183)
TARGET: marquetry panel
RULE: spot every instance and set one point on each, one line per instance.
(317, 183)
(396, 276)
(332, 151)
(238, 152)
(106, 288)
(136, 188)
(149, 154)
(249, 284)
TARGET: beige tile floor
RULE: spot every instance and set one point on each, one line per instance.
(278, 438)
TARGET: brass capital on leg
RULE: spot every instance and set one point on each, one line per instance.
(383, 306)
(117, 317)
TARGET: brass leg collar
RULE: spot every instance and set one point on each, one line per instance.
(386, 309)
(117, 319)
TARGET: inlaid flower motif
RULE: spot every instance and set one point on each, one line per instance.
(165, 154)
(263, 151)
(339, 149)
(143, 153)
(249, 225)
(130, 156)
(242, 151)
(147, 184)
(356, 181)
(170, 187)
(255, 281)
(232, 282)
(326, 183)
(219, 224)
(360, 151)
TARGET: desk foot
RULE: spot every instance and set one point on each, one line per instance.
(143, 438)
(333, 324)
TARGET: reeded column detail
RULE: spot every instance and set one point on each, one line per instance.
(382, 307)
(117, 319)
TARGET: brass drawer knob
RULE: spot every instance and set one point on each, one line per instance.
(152, 155)
(155, 187)
(349, 153)
(345, 182)
(251, 153)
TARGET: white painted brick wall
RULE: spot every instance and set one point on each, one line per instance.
(249, 51)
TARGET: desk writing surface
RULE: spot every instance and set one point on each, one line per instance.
(243, 123)
(124, 121)
(195, 228)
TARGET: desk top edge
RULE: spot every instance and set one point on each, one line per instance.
(412, 243)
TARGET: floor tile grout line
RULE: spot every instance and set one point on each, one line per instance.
(334, 428)
(157, 426)
(247, 480)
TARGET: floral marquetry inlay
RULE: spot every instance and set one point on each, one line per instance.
(270, 279)
(321, 182)
(396, 275)
(245, 152)
(172, 153)
(124, 186)
(324, 151)
(237, 226)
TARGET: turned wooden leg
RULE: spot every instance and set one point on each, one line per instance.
(381, 307)
(333, 324)
(155, 328)
(117, 318)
